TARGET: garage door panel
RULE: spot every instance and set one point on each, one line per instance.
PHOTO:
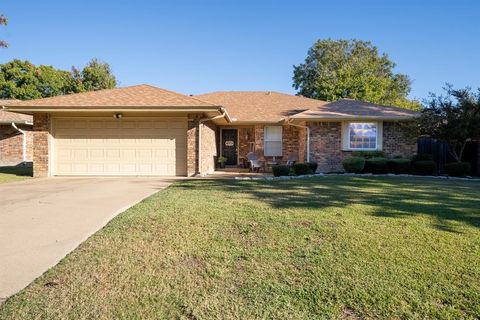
(120, 147)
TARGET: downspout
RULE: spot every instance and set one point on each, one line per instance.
(308, 137)
(24, 137)
(200, 123)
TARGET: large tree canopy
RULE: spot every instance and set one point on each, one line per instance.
(454, 118)
(23, 80)
(336, 69)
(95, 76)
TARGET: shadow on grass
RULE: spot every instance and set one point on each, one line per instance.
(445, 200)
(21, 171)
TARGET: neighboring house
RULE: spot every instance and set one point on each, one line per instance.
(144, 130)
(16, 137)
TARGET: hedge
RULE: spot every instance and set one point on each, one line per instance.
(280, 170)
(399, 166)
(368, 154)
(424, 167)
(458, 169)
(422, 157)
(376, 166)
(313, 166)
(354, 164)
(301, 169)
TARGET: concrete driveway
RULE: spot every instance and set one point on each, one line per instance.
(43, 220)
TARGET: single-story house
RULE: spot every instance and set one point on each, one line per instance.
(145, 130)
(16, 137)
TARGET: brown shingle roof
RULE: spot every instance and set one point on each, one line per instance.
(9, 117)
(260, 106)
(349, 109)
(140, 96)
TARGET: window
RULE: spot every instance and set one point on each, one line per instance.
(273, 141)
(362, 135)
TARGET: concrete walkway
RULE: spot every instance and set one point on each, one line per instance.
(42, 220)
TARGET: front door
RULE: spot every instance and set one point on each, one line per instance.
(230, 146)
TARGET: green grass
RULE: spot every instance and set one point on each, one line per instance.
(327, 247)
(9, 174)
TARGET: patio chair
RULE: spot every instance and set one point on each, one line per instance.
(292, 159)
(254, 164)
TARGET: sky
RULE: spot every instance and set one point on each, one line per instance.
(201, 46)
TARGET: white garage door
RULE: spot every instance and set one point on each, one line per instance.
(127, 146)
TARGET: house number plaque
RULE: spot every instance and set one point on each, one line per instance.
(229, 143)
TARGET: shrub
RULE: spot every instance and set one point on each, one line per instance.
(424, 167)
(368, 154)
(399, 166)
(301, 169)
(422, 157)
(376, 165)
(313, 166)
(458, 169)
(354, 164)
(280, 170)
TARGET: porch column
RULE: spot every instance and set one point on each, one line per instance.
(192, 144)
(41, 134)
(259, 144)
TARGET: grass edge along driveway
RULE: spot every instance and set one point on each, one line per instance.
(11, 174)
(327, 247)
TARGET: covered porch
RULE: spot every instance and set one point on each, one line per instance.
(271, 143)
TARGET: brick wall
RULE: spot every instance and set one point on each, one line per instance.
(259, 135)
(294, 141)
(192, 144)
(397, 140)
(11, 144)
(41, 128)
(326, 143)
(245, 136)
(208, 147)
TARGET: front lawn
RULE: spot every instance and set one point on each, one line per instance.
(327, 247)
(9, 174)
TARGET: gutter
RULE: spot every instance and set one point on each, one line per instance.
(24, 141)
(308, 136)
(223, 114)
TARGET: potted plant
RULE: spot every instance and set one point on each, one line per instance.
(221, 161)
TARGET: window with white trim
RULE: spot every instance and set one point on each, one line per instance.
(273, 141)
(362, 135)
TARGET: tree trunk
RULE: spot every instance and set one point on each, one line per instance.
(452, 149)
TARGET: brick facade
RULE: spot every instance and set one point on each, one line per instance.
(397, 141)
(208, 147)
(11, 144)
(326, 143)
(246, 136)
(41, 134)
(293, 141)
(192, 144)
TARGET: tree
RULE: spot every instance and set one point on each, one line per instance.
(3, 22)
(23, 80)
(336, 69)
(96, 75)
(454, 118)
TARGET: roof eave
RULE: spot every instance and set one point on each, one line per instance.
(247, 122)
(26, 122)
(347, 118)
(109, 108)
